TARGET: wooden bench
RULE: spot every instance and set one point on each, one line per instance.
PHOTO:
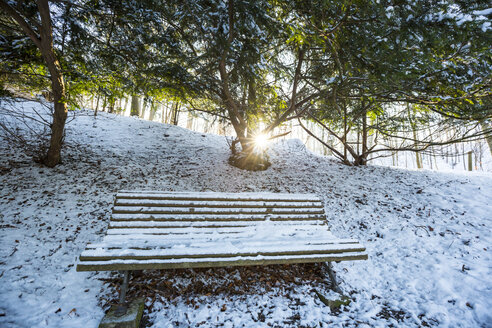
(168, 230)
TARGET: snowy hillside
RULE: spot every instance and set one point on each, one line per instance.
(428, 234)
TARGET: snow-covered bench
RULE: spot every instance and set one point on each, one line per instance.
(168, 230)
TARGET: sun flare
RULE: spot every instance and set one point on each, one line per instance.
(261, 141)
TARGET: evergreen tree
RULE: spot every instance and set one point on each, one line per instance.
(381, 56)
(28, 20)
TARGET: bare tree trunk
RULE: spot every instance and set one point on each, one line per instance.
(358, 142)
(111, 102)
(164, 113)
(480, 155)
(175, 114)
(153, 109)
(97, 105)
(135, 109)
(105, 103)
(169, 113)
(125, 103)
(364, 137)
(418, 158)
(487, 126)
(344, 141)
(189, 122)
(143, 108)
(464, 155)
(456, 155)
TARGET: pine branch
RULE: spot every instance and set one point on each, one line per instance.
(22, 23)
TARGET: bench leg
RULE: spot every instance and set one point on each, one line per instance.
(122, 307)
(333, 278)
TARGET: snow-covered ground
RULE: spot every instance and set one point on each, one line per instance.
(428, 234)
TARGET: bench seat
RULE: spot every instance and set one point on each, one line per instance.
(169, 230)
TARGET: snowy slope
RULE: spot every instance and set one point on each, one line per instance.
(428, 234)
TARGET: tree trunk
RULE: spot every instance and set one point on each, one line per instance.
(169, 112)
(164, 113)
(487, 126)
(175, 114)
(135, 109)
(105, 103)
(464, 155)
(189, 122)
(345, 134)
(237, 121)
(53, 157)
(364, 138)
(111, 102)
(143, 108)
(123, 107)
(470, 161)
(153, 109)
(97, 105)
(418, 159)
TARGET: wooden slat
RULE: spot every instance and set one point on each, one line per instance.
(190, 236)
(216, 204)
(221, 247)
(164, 243)
(216, 224)
(199, 252)
(214, 217)
(215, 262)
(152, 241)
(251, 196)
(275, 229)
(198, 210)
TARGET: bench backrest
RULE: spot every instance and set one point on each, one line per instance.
(200, 215)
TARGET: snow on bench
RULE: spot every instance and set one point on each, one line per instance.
(168, 230)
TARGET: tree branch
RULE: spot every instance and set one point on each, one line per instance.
(336, 152)
(293, 104)
(22, 23)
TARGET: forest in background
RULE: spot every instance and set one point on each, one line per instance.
(361, 79)
(455, 156)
